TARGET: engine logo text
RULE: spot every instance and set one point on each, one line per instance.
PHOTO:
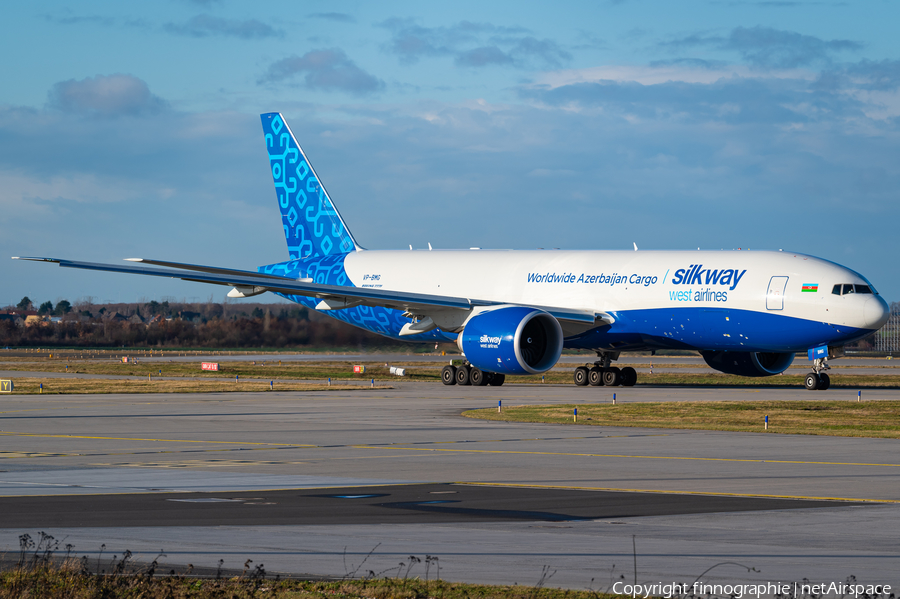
(489, 342)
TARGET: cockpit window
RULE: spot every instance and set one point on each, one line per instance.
(847, 289)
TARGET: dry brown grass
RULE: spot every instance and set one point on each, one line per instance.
(270, 370)
(48, 582)
(813, 417)
(31, 386)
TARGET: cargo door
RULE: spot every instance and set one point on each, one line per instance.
(775, 295)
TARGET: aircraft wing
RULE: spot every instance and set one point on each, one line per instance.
(400, 300)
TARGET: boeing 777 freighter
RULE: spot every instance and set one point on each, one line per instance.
(513, 312)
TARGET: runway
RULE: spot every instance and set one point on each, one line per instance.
(293, 475)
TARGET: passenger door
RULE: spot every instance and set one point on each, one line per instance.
(775, 295)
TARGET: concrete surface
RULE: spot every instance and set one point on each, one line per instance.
(83, 445)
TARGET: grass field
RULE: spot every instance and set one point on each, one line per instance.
(879, 419)
(270, 370)
(31, 386)
(60, 583)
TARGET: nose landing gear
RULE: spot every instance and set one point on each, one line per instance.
(818, 380)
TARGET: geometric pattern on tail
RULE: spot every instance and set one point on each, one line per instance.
(312, 225)
(329, 270)
(317, 239)
(384, 321)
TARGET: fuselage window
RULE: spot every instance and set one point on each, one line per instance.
(836, 290)
(848, 289)
(863, 289)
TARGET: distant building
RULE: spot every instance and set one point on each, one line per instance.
(17, 312)
(14, 318)
(35, 320)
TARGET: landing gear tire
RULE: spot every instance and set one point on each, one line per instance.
(612, 377)
(581, 376)
(462, 375)
(497, 379)
(629, 376)
(824, 381)
(812, 381)
(478, 378)
(595, 376)
(448, 375)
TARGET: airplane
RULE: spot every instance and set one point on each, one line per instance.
(511, 312)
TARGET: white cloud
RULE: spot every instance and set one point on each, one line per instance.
(653, 75)
(22, 195)
(105, 96)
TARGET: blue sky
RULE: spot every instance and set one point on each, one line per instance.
(132, 130)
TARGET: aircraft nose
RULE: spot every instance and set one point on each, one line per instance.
(876, 312)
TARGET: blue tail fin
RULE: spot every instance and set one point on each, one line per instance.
(312, 225)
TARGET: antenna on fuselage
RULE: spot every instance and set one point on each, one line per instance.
(635, 246)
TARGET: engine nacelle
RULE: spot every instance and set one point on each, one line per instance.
(748, 363)
(512, 340)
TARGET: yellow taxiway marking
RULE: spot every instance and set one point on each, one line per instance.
(406, 447)
(33, 454)
(639, 457)
(45, 436)
(671, 492)
(156, 492)
(196, 464)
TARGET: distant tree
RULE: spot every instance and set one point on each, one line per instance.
(87, 313)
(46, 308)
(152, 307)
(102, 311)
(62, 308)
(215, 311)
(257, 313)
(25, 304)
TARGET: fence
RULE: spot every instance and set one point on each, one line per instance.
(887, 339)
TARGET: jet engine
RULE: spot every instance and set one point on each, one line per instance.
(748, 363)
(512, 340)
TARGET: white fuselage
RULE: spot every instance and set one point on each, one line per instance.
(618, 281)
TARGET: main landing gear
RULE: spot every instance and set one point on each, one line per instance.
(817, 380)
(469, 375)
(602, 374)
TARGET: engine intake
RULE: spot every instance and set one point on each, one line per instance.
(748, 363)
(512, 340)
